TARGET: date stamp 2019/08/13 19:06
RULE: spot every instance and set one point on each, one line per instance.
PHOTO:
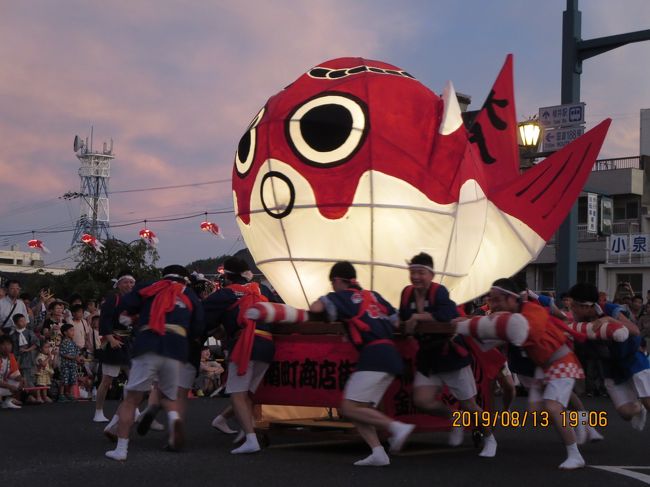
(517, 419)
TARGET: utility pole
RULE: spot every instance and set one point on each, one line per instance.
(574, 51)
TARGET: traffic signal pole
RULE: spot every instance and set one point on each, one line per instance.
(574, 51)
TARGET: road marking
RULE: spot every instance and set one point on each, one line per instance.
(627, 471)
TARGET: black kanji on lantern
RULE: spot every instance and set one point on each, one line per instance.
(289, 373)
(496, 122)
(345, 370)
(309, 374)
(476, 130)
(478, 138)
(272, 377)
(327, 375)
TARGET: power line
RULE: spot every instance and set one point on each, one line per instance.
(120, 225)
(175, 186)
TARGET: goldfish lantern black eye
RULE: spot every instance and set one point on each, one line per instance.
(245, 154)
(328, 130)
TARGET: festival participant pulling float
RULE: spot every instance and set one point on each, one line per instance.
(358, 161)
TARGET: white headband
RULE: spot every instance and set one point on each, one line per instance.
(125, 276)
(505, 291)
(421, 266)
(174, 276)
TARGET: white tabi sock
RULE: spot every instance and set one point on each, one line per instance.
(489, 447)
(221, 424)
(99, 416)
(638, 420)
(581, 429)
(379, 458)
(593, 434)
(172, 416)
(456, 436)
(113, 421)
(399, 434)
(122, 444)
(574, 459)
(121, 450)
(251, 445)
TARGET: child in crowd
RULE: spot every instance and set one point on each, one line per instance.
(69, 358)
(91, 309)
(25, 343)
(82, 331)
(44, 371)
(51, 329)
(209, 374)
(10, 379)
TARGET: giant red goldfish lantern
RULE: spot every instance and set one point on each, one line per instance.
(357, 160)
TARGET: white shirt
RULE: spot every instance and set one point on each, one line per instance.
(82, 331)
(6, 304)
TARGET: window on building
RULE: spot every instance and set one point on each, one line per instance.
(588, 273)
(582, 210)
(6, 261)
(632, 210)
(547, 279)
(626, 209)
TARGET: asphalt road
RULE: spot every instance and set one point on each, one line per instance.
(59, 445)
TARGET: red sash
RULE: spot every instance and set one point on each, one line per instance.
(241, 352)
(166, 293)
(355, 324)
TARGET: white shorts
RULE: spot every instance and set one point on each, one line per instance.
(186, 376)
(149, 368)
(559, 390)
(367, 386)
(6, 392)
(631, 390)
(461, 383)
(250, 381)
(113, 370)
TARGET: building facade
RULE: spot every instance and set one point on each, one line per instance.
(25, 262)
(624, 256)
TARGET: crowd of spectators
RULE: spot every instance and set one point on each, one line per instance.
(50, 349)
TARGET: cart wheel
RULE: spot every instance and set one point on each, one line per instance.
(477, 438)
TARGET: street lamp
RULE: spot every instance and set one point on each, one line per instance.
(528, 137)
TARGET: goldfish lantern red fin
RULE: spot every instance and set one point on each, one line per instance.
(543, 196)
(493, 133)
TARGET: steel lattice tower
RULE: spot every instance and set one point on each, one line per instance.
(94, 174)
